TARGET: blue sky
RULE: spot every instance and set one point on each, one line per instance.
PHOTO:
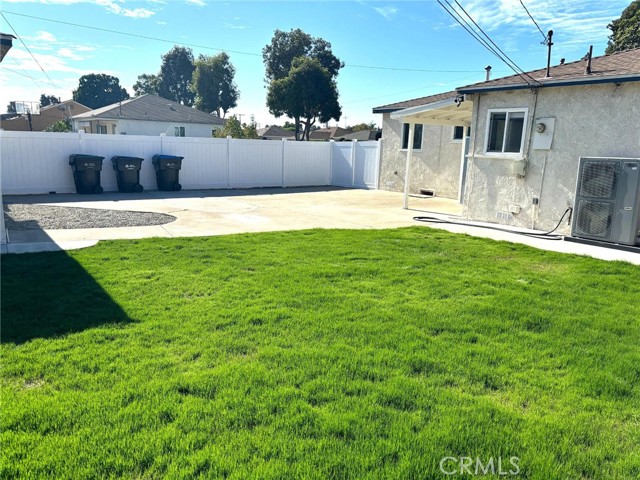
(409, 48)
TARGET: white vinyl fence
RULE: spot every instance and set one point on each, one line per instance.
(38, 162)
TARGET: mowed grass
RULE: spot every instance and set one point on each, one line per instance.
(318, 354)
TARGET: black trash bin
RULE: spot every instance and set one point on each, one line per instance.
(128, 173)
(168, 172)
(86, 172)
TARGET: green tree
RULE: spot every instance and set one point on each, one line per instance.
(46, 100)
(250, 131)
(363, 126)
(232, 128)
(60, 126)
(625, 31)
(308, 94)
(146, 84)
(280, 56)
(289, 127)
(176, 73)
(213, 84)
(98, 90)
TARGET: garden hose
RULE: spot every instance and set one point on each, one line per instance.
(543, 235)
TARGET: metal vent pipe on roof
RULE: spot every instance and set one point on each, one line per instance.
(488, 69)
(589, 57)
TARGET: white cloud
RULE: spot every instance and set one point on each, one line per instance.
(113, 6)
(199, 3)
(42, 36)
(70, 54)
(235, 27)
(576, 23)
(386, 12)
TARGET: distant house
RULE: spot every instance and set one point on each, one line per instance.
(509, 148)
(38, 122)
(326, 134)
(148, 115)
(274, 132)
(361, 136)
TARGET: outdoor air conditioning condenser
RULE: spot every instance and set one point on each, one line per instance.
(607, 206)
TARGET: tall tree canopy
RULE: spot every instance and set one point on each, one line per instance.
(146, 84)
(308, 94)
(46, 100)
(176, 72)
(625, 31)
(98, 90)
(286, 46)
(287, 61)
(213, 84)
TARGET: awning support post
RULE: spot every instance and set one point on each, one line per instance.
(405, 203)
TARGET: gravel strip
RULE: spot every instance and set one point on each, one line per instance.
(20, 216)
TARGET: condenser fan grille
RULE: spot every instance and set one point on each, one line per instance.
(594, 218)
(598, 179)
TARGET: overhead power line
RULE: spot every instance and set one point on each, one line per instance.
(207, 47)
(483, 38)
(534, 22)
(27, 48)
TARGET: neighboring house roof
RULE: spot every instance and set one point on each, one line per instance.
(152, 108)
(392, 107)
(363, 135)
(613, 68)
(46, 117)
(274, 131)
(327, 133)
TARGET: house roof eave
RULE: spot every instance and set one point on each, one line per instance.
(553, 83)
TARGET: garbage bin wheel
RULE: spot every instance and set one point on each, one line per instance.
(97, 189)
(138, 188)
(177, 187)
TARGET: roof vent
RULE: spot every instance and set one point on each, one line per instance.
(587, 70)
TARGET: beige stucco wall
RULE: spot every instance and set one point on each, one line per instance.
(596, 120)
(436, 166)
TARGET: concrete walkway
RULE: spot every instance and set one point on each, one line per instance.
(222, 212)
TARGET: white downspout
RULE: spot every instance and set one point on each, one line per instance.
(407, 167)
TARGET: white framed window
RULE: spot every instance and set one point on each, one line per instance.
(459, 132)
(179, 131)
(505, 130)
(417, 136)
(102, 129)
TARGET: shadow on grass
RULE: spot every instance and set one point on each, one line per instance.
(50, 294)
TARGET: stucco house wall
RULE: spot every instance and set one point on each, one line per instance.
(435, 166)
(590, 120)
(146, 127)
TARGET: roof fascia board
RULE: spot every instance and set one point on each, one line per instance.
(423, 108)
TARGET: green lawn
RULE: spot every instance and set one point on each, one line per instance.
(318, 354)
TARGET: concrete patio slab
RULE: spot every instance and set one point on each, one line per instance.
(222, 212)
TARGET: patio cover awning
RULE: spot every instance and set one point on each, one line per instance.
(455, 111)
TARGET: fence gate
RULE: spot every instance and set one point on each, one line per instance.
(355, 164)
